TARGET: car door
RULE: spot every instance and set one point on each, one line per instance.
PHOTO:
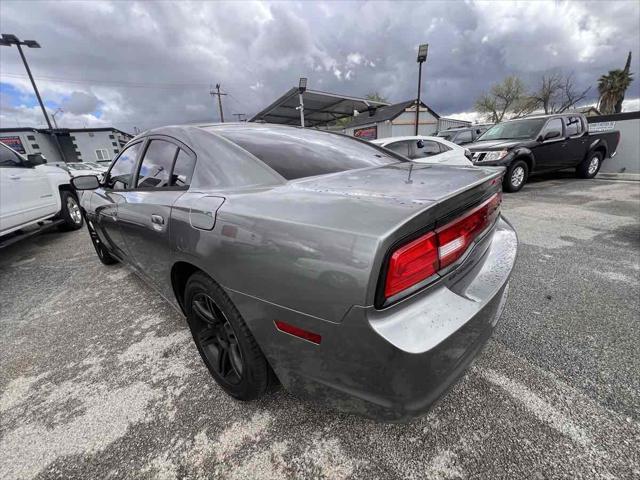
(549, 154)
(11, 212)
(577, 141)
(107, 199)
(163, 175)
(26, 193)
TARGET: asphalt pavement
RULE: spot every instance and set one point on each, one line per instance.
(99, 377)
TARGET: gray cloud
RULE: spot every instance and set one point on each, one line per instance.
(151, 63)
(80, 102)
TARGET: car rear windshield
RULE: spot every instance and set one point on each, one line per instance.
(298, 153)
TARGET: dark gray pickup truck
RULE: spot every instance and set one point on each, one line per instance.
(543, 143)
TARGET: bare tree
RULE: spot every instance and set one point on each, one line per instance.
(557, 93)
(506, 98)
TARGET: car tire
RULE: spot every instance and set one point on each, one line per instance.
(70, 212)
(516, 176)
(224, 341)
(103, 254)
(590, 166)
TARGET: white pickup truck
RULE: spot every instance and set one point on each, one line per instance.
(34, 197)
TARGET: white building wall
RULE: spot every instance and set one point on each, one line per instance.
(627, 158)
(88, 142)
(404, 124)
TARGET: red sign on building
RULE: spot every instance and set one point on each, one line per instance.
(366, 133)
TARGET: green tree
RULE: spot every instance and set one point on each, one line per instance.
(376, 97)
(612, 88)
(506, 98)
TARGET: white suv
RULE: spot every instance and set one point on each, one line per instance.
(34, 194)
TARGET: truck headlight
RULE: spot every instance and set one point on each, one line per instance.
(494, 156)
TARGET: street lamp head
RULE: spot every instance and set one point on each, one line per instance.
(422, 52)
(4, 43)
(302, 86)
(12, 39)
(31, 44)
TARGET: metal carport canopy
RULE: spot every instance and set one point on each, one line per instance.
(320, 108)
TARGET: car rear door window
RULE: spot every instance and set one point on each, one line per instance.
(121, 173)
(183, 169)
(573, 126)
(155, 169)
(401, 148)
(464, 137)
(423, 149)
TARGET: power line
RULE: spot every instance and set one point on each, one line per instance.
(107, 82)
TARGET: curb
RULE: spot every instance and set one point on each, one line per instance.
(629, 177)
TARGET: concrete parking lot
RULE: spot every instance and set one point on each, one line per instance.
(99, 377)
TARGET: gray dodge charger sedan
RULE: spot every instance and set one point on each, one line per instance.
(350, 275)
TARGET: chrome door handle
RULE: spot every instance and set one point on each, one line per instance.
(15, 177)
(157, 219)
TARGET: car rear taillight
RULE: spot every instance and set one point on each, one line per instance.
(411, 264)
(455, 237)
(423, 257)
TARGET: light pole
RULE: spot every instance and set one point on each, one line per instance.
(422, 57)
(53, 116)
(302, 87)
(7, 40)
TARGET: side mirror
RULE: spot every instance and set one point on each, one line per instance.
(551, 134)
(36, 159)
(85, 182)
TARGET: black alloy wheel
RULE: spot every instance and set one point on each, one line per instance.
(225, 343)
(216, 339)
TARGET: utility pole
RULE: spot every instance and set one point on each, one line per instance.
(217, 92)
(239, 116)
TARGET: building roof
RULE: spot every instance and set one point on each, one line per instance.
(320, 108)
(63, 130)
(388, 112)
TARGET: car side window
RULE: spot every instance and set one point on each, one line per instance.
(401, 148)
(121, 173)
(183, 169)
(424, 148)
(573, 126)
(155, 169)
(464, 137)
(553, 124)
(9, 159)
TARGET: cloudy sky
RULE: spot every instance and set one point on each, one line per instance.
(145, 64)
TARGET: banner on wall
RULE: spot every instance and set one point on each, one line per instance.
(14, 142)
(366, 133)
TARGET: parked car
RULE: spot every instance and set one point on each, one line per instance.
(34, 194)
(463, 135)
(85, 168)
(356, 278)
(423, 149)
(544, 143)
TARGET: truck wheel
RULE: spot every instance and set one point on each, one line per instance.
(516, 176)
(590, 166)
(70, 212)
(224, 341)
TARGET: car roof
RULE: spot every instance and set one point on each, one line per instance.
(384, 141)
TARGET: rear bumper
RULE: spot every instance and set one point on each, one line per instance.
(392, 364)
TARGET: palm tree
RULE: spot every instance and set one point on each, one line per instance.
(612, 88)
